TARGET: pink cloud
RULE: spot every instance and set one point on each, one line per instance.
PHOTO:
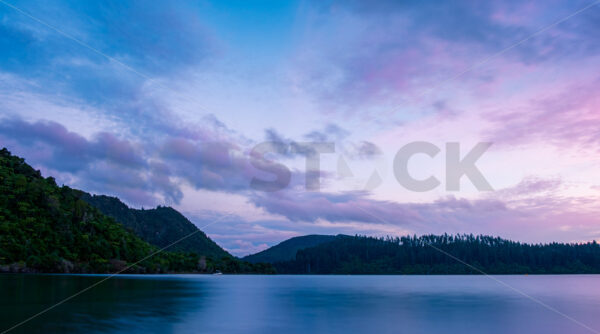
(568, 118)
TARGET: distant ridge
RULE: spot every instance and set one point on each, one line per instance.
(441, 255)
(286, 250)
(160, 226)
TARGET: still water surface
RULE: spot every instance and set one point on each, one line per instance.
(300, 304)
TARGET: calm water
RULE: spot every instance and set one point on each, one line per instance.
(300, 304)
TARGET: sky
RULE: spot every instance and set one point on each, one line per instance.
(168, 103)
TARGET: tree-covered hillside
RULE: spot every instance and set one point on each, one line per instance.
(287, 249)
(47, 228)
(161, 226)
(431, 255)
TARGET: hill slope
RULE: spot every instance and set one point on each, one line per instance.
(44, 227)
(160, 227)
(47, 228)
(429, 255)
(287, 249)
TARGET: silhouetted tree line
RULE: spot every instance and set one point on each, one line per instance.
(427, 255)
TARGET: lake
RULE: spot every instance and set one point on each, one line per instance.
(301, 304)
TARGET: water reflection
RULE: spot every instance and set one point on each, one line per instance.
(301, 304)
(135, 304)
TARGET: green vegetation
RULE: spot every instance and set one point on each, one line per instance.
(287, 249)
(47, 228)
(160, 227)
(425, 255)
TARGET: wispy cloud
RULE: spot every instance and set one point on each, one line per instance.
(216, 82)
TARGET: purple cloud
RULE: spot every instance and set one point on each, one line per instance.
(104, 164)
(565, 118)
(529, 186)
(358, 53)
(357, 207)
(70, 151)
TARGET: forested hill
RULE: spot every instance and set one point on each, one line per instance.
(47, 228)
(287, 249)
(160, 227)
(426, 255)
(44, 227)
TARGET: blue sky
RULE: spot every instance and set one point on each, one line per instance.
(129, 98)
